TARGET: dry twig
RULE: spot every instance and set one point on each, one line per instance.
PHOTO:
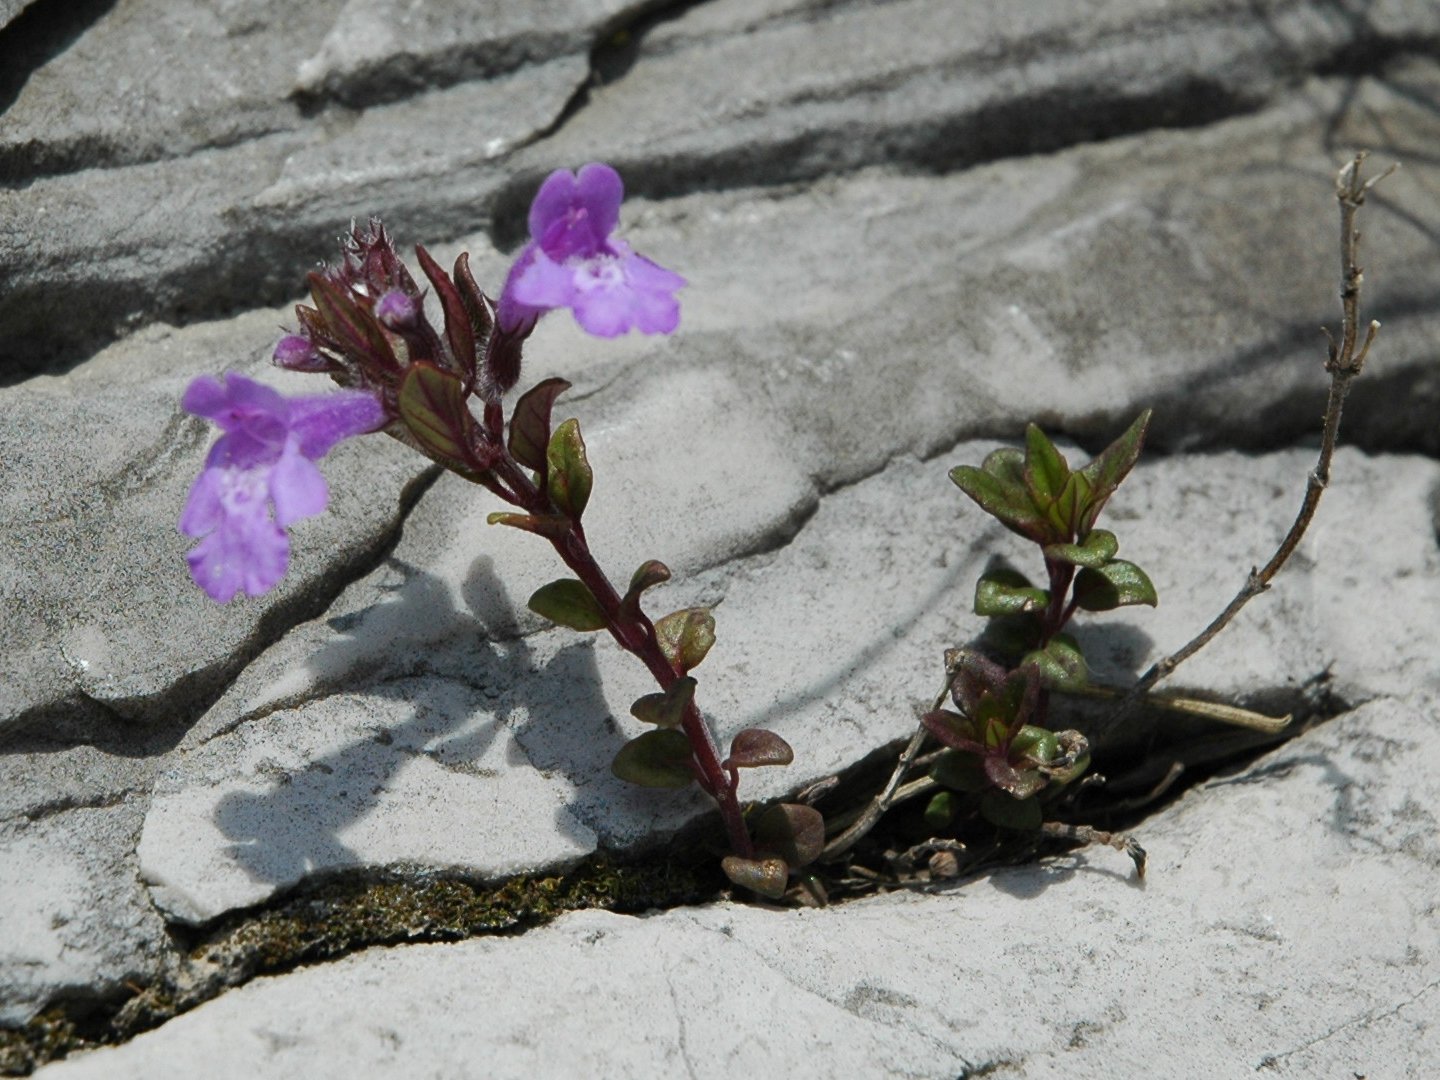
(1345, 361)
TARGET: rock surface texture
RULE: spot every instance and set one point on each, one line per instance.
(908, 227)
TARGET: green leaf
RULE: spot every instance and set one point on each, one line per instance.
(1072, 759)
(665, 710)
(550, 525)
(1116, 584)
(940, 811)
(756, 747)
(1046, 470)
(1035, 743)
(1112, 466)
(530, 423)
(1060, 664)
(657, 759)
(1096, 550)
(998, 487)
(1009, 813)
(1010, 637)
(458, 329)
(685, 637)
(433, 408)
(569, 477)
(569, 603)
(1008, 592)
(793, 832)
(959, 771)
(1069, 506)
(768, 877)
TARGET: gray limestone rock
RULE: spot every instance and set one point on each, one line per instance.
(101, 622)
(832, 641)
(829, 91)
(1286, 926)
(75, 924)
(908, 228)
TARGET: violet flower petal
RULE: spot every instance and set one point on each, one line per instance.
(260, 476)
(296, 488)
(248, 555)
(545, 283)
(616, 294)
(322, 420)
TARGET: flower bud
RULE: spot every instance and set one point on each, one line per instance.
(397, 311)
(296, 353)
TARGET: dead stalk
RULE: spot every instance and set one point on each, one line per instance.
(1344, 363)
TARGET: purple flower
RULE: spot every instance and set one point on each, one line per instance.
(571, 261)
(263, 462)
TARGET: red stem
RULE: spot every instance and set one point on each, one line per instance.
(636, 635)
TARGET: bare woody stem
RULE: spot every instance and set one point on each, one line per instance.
(1345, 361)
(636, 635)
(842, 843)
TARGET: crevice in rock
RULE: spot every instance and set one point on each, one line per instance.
(263, 265)
(333, 915)
(41, 32)
(405, 74)
(100, 800)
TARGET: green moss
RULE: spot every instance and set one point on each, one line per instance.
(49, 1035)
(346, 915)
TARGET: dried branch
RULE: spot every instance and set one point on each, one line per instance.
(1344, 363)
(878, 805)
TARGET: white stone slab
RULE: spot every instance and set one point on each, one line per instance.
(1287, 926)
(416, 772)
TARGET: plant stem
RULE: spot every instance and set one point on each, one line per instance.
(1344, 363)
(636, 635)
(878, 805)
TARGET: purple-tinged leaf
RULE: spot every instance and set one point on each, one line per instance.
(550, 526)
(476, 303)
(1017, 783)
(657, 759)
(568, 477)
(458, 331)
(354, 331)
(433, 407)
(757, 747)
(794, 832)
(975, 676)
(569, 603)
(650, 573)
(954, 730)
(767, 877)
(530, 423)
(1112, 466)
